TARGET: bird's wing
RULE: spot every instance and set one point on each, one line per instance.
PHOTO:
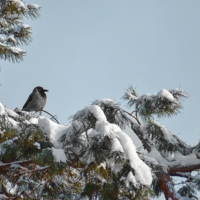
(28, 101)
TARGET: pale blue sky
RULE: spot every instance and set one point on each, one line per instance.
(84, 50)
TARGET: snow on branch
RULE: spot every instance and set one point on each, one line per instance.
(38, 146)
(94, 151)
(16, 35)
(102, 142)
(11, 53)
(15, 163)
(163, 139)
(164, 103)
(33, 11)
(12, 30)
(19, 8)
(113, 112)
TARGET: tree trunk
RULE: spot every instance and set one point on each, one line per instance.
(166, 185)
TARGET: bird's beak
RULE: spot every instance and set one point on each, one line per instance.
(45, 90)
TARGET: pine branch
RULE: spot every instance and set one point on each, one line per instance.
(11, 53)
(180, 168)
(180, 174)
(2, 165)
(163, 104)
(13, 31)
(35, 170)
(166, 185)
(136, 129)
(135, 117)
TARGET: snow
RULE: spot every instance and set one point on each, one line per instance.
(116, 146)
(36, 144)
(167, 135)
(15, 138)
(130, 179)
(97, 112)
(13, 122)
(34, 121)
(25, 26)
(59, 154)
(3, 22)
(21, 27)
(15, 166)
(19, 4)
(120, 141)
(11, 37)
(53, 130)
(179, 159)
(131, 96)
(151, 160)
(2, 109)
(166, 94)
(2, 38)
(142, 171)
(11, 113)
(33, 6)
(12, 49)
(107, 101)
(123, 143)
(102, 165)
(102, 126)
(17, 50)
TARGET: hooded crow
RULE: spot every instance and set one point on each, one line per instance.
(36, 100)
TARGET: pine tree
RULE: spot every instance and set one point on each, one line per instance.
(93, 158)
(167, 155)
(12, 30)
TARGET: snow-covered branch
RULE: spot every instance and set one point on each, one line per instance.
(93, 152)
(12, 30)
(2, 165)
(164, 103)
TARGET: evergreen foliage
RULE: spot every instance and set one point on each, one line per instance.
(28, 168)
(100, 160)
(163, 104)
(12, 30)
(92, 158)
(167, 153)
(93, 169)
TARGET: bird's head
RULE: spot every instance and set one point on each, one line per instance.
(40, 89)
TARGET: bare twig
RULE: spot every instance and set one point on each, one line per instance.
(133, 112)
(51, 116)
(132, 116)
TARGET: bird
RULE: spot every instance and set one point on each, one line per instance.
(36, 100)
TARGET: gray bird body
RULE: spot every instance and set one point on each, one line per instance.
(36, 100)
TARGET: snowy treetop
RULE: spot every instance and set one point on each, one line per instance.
(163, 103)
(100, 142)
(94, 151)
(93, 136)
